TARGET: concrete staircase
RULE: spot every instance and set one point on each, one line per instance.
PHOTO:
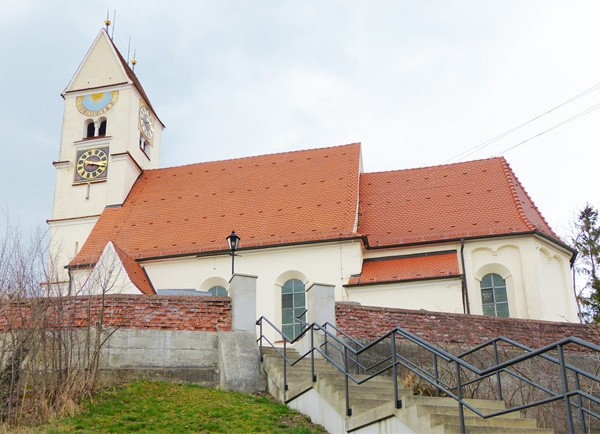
(372, 403)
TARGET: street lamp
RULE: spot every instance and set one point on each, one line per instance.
(233, 240)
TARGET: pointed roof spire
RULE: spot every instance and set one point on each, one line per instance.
(102, 66)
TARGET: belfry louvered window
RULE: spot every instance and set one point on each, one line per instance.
(293, 304)
(493, 295)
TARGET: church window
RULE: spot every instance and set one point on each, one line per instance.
(494, 296)
(91, 129)
(218, 290)
(293, 304)
(102, 130)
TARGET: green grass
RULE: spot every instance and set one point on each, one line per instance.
(145, 407)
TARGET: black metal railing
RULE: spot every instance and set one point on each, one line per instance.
(451, 375)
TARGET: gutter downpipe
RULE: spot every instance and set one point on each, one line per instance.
(466, 306)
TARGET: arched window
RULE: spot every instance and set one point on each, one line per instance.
(102, 130)
(493, 295)
(91, 129)
(218, 290)
(293, 304)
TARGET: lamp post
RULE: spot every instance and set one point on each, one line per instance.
(233, 240)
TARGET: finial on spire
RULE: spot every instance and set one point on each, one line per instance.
(133, 61)
(107, 21)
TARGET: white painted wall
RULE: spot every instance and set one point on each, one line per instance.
(536, 271)
(537, 275)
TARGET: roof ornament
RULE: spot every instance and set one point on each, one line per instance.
(133, 61)
(107, 22)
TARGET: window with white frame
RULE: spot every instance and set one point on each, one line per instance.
(293, 304)
(494, 296)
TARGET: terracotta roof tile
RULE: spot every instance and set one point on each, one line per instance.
(136, 273)
(271, 199)
(308, 196)
(407, 268)
(475, 198)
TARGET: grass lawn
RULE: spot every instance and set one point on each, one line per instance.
(146, 407)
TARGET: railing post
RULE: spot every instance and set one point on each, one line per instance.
(498, 381)
(580, 402)
(397, 403)
(348, 409)
(461, 410)
(437, 374)
(565, 384)
(285, 384)
(312, 353)
(261, 340)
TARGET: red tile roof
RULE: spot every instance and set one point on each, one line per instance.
(136, 273)
(396, 269)
(311, 195)
(271, 199)
(476, 198)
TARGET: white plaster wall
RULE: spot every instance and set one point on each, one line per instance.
(556, 285)
(538, 283)
(66, 239)
(94, 71)
(323, 263)
(434, 295)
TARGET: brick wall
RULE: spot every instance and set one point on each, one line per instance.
(365, 322)
(151, 312)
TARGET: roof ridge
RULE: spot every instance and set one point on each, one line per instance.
(437, 165)
(131, 74)
(513, 182)
(255, 156)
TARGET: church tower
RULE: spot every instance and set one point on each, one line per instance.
(110, 135)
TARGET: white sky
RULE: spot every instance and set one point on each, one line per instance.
(417, 82)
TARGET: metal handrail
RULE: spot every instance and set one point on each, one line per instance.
(352, 355)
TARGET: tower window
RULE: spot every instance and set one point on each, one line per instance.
(102, 130)
(91, 129)
(493, 295)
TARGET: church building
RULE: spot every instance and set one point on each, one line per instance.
(462, 238)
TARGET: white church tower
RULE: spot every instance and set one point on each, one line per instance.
(110, 135)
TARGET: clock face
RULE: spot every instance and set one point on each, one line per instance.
(95, 104)
(146, 122)
(91, 164)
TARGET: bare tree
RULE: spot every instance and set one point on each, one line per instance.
(50, 342)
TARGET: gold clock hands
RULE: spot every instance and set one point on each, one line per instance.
(94, 163)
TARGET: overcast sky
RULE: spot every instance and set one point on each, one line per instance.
(417, 82)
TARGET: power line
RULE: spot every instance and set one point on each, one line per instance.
(560, 124)
(504, 134)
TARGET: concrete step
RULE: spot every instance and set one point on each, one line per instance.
(449, 402)
(440, 415)
(514, 422)
(373, 400)
(455, 429)
(425, 409)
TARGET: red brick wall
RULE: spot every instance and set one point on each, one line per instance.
(158, 312)
(365, 322)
